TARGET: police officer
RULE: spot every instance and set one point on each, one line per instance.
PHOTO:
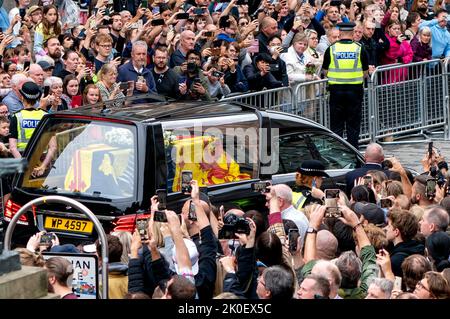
(346, 64)
(309, 175)
(24, 122)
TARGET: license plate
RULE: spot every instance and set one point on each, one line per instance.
(69, 225)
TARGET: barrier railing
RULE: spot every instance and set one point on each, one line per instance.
(398, 99)
(279, 99)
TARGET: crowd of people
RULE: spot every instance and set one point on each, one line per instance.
(388, 239)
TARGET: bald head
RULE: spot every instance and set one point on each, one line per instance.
(269, 26)
(187, 40)
(330, 271)
(374, 153)
(326, 245)
(37, 74)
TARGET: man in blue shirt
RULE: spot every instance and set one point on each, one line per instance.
(440, 37)
(136, 71)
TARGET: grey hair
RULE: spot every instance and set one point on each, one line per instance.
(374, 153)
(280, 282)
(385, 286)
(438, 216)
(283, 191)
(18, 78)
(139, 43)
(52, 80)
(350, 267)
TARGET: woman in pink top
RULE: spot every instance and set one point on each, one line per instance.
(399, 52)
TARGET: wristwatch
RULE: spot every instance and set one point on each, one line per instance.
(311, 230)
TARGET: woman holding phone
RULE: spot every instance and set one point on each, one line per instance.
(109, 88)
(54, 97)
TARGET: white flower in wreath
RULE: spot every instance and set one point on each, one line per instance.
(119, 136)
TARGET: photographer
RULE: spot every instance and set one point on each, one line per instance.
(193, 84)
(241, 272)
(216, 83)
(258, 74)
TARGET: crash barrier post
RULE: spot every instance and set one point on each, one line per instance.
(446, 84)
(279, 99)
(55, 199)
(408, 98)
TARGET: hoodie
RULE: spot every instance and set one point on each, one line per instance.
(403, 250)
(323, 45)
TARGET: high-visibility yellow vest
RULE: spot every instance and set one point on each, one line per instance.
(27, 121)
(345, 66)
(298, 200)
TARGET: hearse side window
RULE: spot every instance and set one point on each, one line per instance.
(333, 153)
(293, 151)
(217, 150)
(91, 158)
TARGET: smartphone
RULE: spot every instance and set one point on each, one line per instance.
(335, 3)
(82, 34)
(241, 2)
(192, 214)
(90, 65)
(186, 178)
(46, 239)
(386, 203)
(368, 180)
(293, 239)
(181, 79)
(430, 190)
(217, 74)
(155, 10)
(331, 202)
(26, 65)
(22, 13)
(197, 80)
(46, 90)
(208, 34)
(1, 30)
(182, 16)
(160, 216)
(142, 227)
(157, 22)
(123, 86)
(430, 149)
(144, 4)
(199, 11)
(261, 186)
(274, 67)
(242, 226)
(397, 283)
(254, 47)
(162, 199)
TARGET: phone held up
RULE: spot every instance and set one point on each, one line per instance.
(331, 203)
(192, 214)
(261, 186)
(186, 178)
(142, 227)
(293, 239)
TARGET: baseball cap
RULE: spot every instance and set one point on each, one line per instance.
(371, 212)
(33, 9)
(45, 65)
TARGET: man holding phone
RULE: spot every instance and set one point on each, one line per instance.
(136, 70)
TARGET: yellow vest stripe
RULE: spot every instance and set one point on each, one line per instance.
(345, 70)
(24, 134)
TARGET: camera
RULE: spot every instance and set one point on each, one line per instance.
(192, 213)
(261, 186)
(234, 224)
(186, 178)
(217, 74)
(142, 227)
(191, 67)
(331, 198)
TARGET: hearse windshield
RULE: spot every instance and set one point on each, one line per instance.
(83, 158)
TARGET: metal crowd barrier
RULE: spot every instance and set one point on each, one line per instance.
(279, 99)
(398, 99)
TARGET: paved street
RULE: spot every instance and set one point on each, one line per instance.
(410, 153)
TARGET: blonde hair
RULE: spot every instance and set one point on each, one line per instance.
(106, 69)
(28, 258)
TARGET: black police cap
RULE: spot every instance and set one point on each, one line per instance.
(346, 26)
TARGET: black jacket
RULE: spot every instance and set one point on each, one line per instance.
(205, 279)
(351, 176)
(243, 283)
(375, 46)
(257, 82)
(403, 250)
(140, 273)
